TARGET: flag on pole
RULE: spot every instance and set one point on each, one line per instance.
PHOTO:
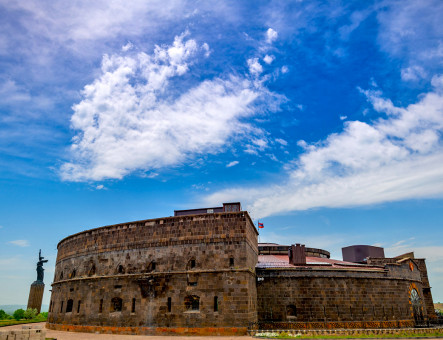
(260, 225)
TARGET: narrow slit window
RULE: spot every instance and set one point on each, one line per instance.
(78, 306)
(61, 308)
(231, 261)
(169, 305)
(100, 308)
(215, 303)
(69, 306)
(133, 306)
(192, 263)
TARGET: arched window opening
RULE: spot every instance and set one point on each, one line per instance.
(416, 305)
(191, 264)
(73, 274)
(92, 270)
(69, 306)
(291, 312)
(61, 275)
(215, 303)
(151, 266)
(192, 303)
(120, 269)
(116, 304)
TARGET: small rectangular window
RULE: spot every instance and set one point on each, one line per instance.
(192, 263)
(231, 261)
(169, 305)
(78, 306)
(133, 306)
(100, 308)
(192, 284)
(215, 303)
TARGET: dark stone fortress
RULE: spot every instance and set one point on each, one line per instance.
(203, 272)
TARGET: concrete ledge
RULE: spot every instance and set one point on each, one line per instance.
(351, 332)
(23, 334)
(389, 324)
(224, 331)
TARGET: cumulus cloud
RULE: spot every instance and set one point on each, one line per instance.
(20, 243)
(231, 164)
(271, 35)
(268, 59)
(255, 67)
(394, 158)
(128, 121)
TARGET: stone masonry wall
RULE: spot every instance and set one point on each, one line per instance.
(156, 267)
(314, 295)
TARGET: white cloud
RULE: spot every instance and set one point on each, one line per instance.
(343, 117)
(127, 47)
(127, 121)
(281, 141)
(394, 158)
(231, 164)
(284, 69)
(205, 48)
(255, 67)
(271, 35)
(20, 243)
(100, 187)
(413, 73)
(268, 59)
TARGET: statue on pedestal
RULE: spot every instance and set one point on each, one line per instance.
(37, 287)
(40, 269)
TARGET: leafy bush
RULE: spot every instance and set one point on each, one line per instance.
(30, 313)
(42, 316)
(19, 314)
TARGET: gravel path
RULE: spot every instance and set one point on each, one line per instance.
(86, 336)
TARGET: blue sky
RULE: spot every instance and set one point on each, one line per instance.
(324, 119)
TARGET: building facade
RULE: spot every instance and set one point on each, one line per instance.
(204, 274)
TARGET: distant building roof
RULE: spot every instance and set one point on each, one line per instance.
(282, 261)
(227, 207)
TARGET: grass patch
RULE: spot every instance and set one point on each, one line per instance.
(13, 322)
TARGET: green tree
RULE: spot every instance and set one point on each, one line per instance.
(3, 314)
(19, 314)
(30, 313)
(42, 316)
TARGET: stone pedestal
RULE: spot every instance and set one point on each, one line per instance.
(36, 295)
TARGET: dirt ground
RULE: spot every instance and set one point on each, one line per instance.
(90, 336)
(86, 336)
